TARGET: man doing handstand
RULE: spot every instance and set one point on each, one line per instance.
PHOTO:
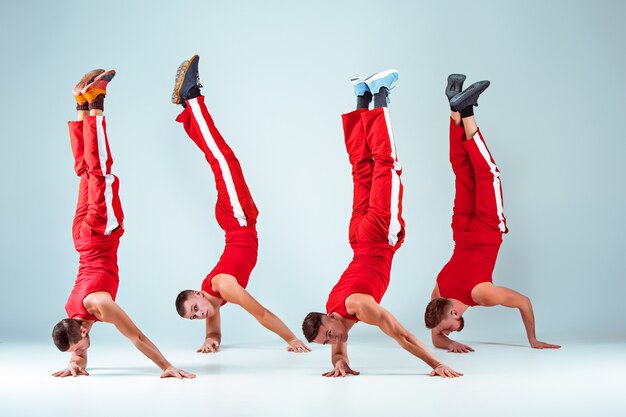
(376, 232)
(478, 224)
(97, 228)
(236, 214)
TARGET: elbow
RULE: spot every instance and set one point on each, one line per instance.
(525, 303)
(404, 339)
(265, 317)
(138, 339)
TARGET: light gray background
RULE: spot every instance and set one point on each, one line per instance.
(276, 80)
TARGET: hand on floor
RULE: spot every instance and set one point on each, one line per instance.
(172, 372)
(72, 369)
(445, 371)
(297, 346)
(542, 345)
(457, 347)
(342, 369)
(209, 345)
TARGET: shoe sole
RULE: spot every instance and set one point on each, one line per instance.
(181, 72)
(86, 79)
(465, 95)
(106, 76)
(379, 75)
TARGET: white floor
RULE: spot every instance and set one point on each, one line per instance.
(582, 379)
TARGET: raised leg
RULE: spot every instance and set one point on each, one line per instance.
(464, 182)
(489, 202)
(362, 166)
(99, 210)
(383, 222)
(235, 208)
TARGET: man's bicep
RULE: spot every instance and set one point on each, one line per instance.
(114, 314)
(372, 313)
(235, 293)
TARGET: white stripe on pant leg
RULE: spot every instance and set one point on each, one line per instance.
(392, 142)
(496, 179)
(394, 224)
(228, 179)
(103, 155)
(112, 222)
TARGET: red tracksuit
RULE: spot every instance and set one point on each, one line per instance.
(477, 220)
(235, 210)
(376, 226)
(98, 223)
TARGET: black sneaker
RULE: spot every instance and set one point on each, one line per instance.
(469, 96)
(455, 85)
(187, 84)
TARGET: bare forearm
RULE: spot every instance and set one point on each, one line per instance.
(339, 352)
(528, 317)
(151, 351)
(79, 360)
(441, 341)
(271, 322)
(411, 344)
(215, 336)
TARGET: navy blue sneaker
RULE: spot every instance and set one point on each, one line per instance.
(381, 79)
(455, 85)
(187, 84)
(360, 87)
(469, 96)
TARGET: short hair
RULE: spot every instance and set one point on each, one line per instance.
(311, 325)
(65, 333)
(436, 311)
(180, 301)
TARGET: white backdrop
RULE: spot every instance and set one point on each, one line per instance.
(276, 80)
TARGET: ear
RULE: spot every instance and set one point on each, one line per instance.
(331, 316)
(197, 293)
(83, 331)
(454, 313)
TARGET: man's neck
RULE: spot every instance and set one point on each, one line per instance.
(346, 323)
(459, 306)
(216, 302)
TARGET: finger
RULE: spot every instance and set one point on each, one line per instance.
(84, 371)
(73, 372)
(549, 346)
(432, 373)
(470, 349)
(354, 372)
(188, 375)
(178, 375)
(327, 374)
